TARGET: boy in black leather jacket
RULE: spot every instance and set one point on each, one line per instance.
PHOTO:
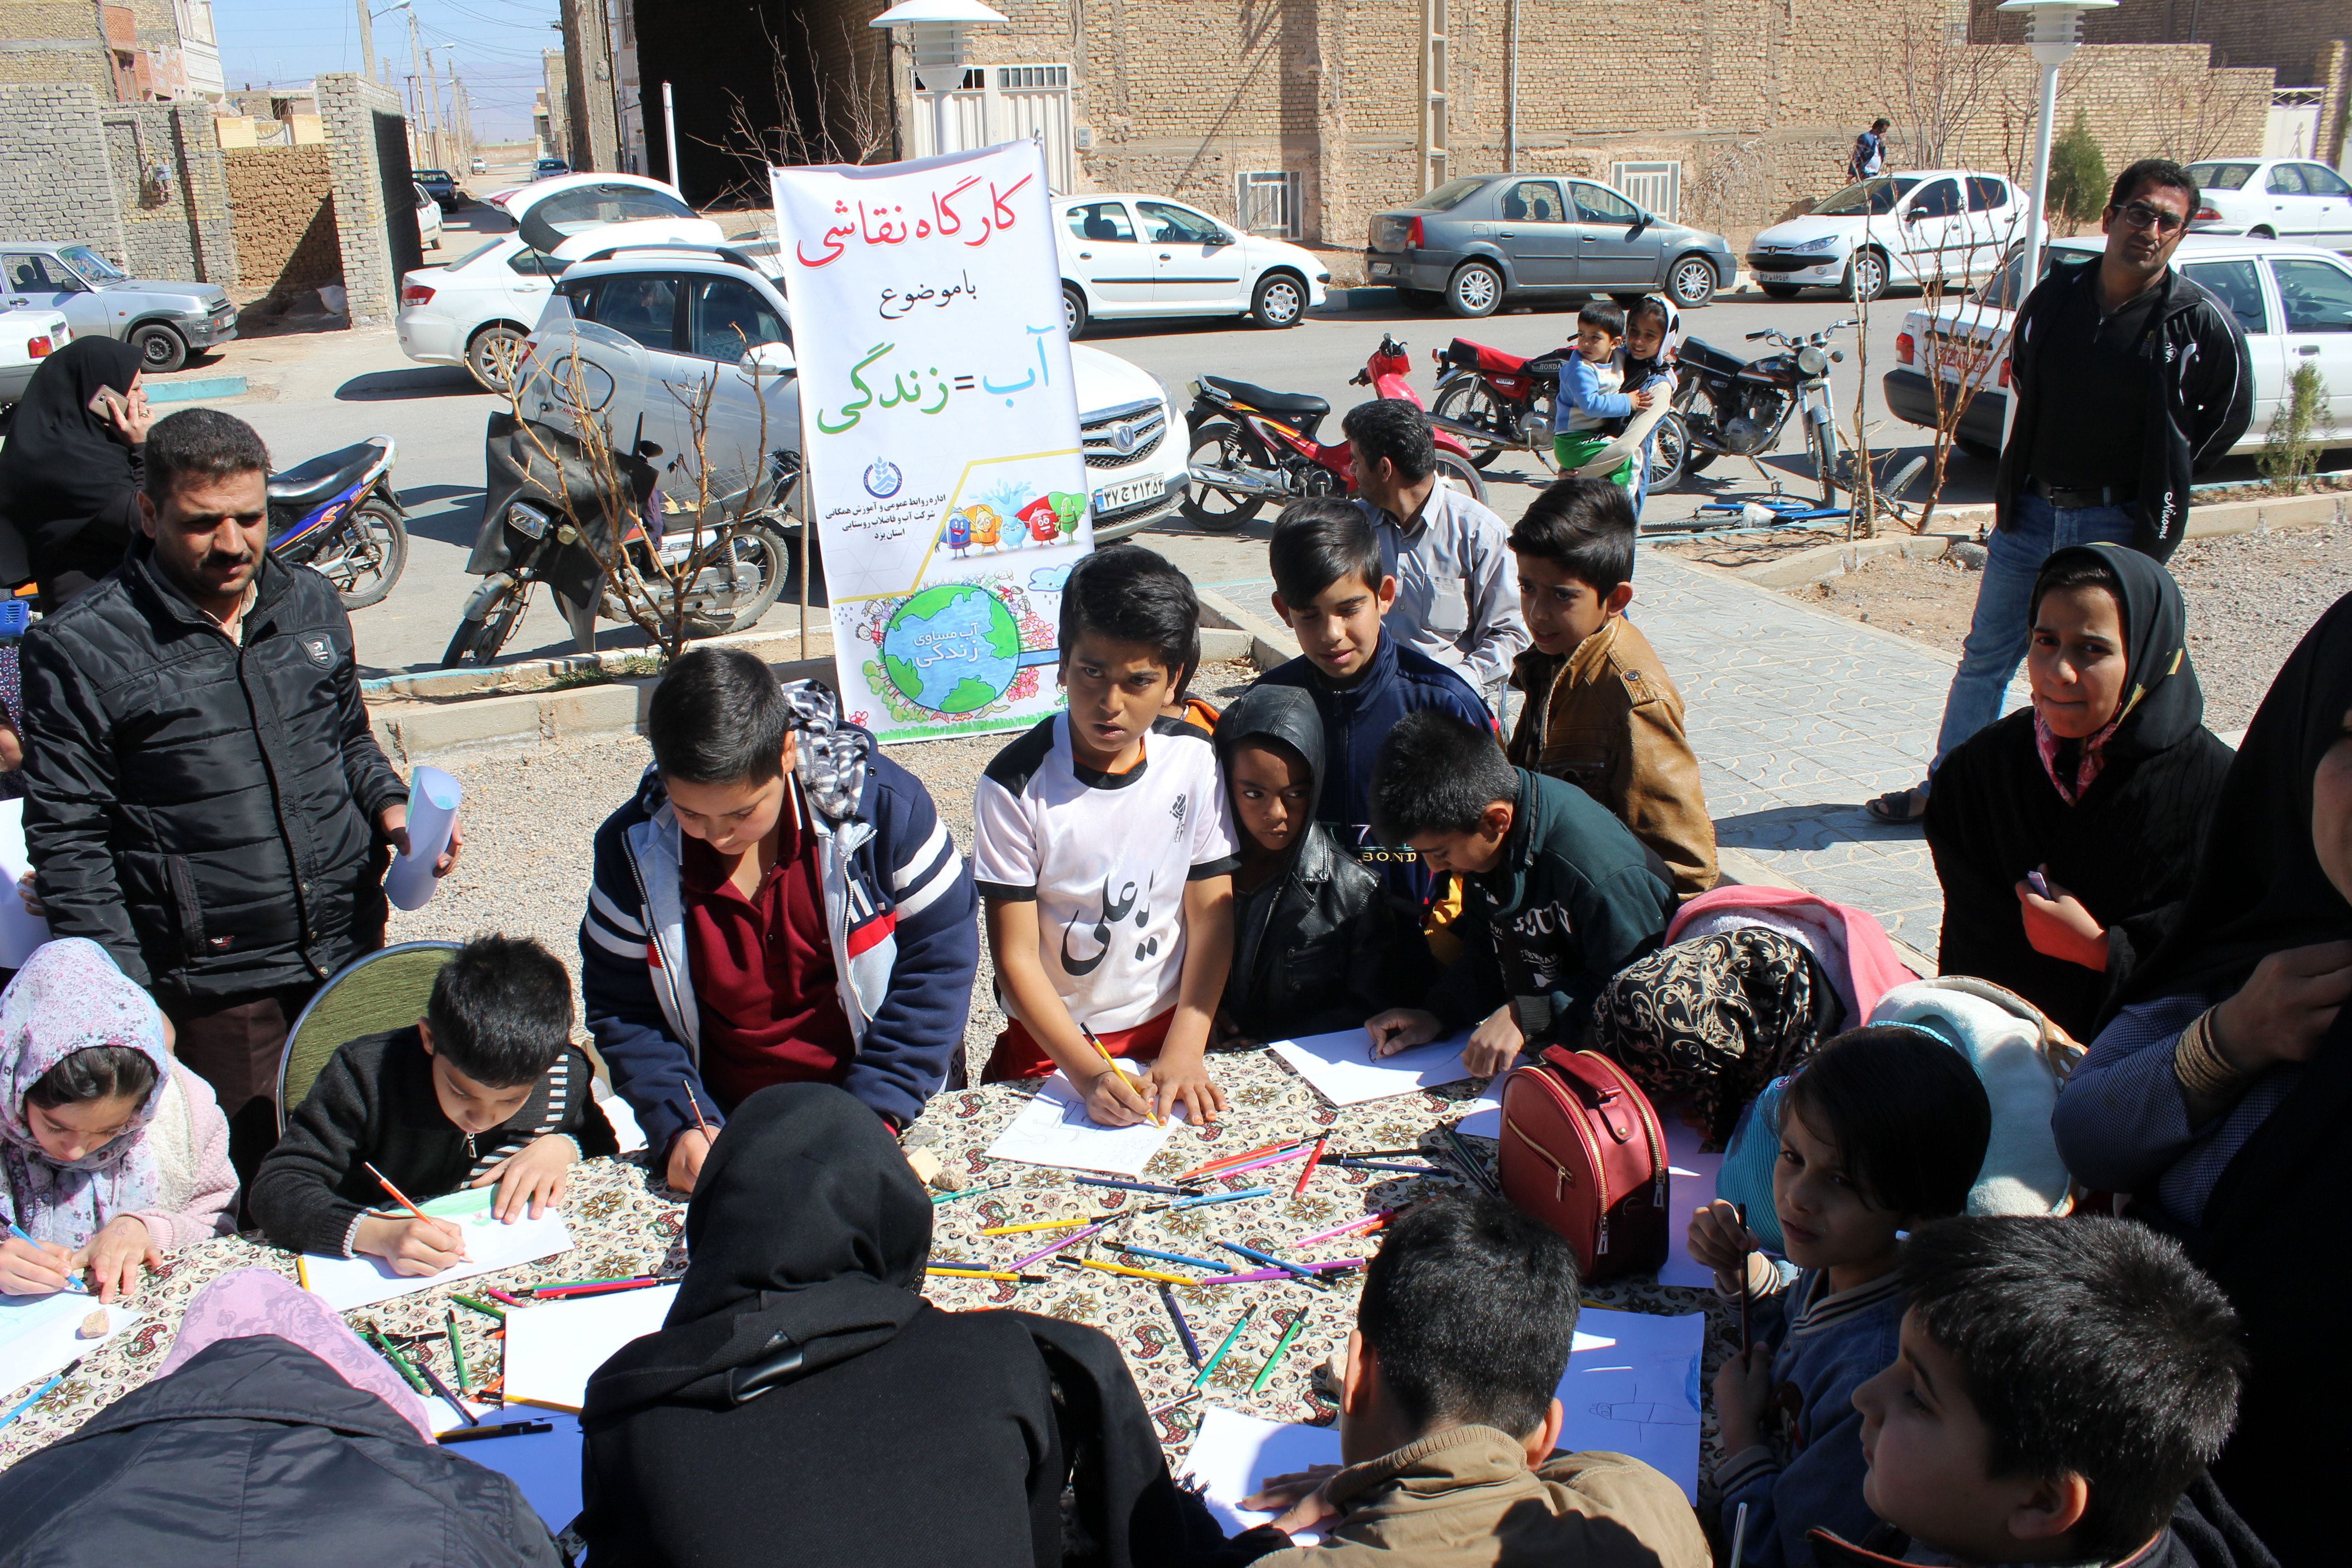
(1318, 939)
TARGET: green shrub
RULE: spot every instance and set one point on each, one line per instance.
(2078, 174)
(2290, 453)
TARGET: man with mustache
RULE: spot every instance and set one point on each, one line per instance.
(205, 798)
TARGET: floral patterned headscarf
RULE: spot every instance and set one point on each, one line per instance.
(253, 1301)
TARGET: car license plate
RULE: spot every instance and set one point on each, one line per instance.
(1383, 267)
(1112, 498)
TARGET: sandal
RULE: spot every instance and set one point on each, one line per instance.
(1899, 807)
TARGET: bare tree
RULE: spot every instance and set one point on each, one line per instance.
(2197, 110)
(1949, 87)
(1959, 357)
(828, 110)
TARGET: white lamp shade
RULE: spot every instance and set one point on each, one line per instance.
(964, 13)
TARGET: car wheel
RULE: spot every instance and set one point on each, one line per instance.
(1782, 291)
(495, 354)
(1692, 282)
(1865, 276)
(1475, 291)
(1280, 300)
(1074, 309)
(161, 350)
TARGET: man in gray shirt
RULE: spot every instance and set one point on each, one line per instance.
(1451, 556)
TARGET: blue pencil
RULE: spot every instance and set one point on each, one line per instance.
(1385, 1166)
(1214, 1198)
(1134, 1186)
(1183, 1329)
(1254, 1256)
(1176, 1258)
(72, 1284)
(42, 1392)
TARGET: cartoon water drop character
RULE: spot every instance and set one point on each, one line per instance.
(959, 534)
(985, 526)
(1039, 515)
(1068, 507)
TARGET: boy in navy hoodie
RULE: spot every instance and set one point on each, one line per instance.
(779, 903)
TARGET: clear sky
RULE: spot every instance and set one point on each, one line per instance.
(285, 43)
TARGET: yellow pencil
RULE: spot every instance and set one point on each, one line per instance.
(1136, 1273)
(1112, 1062)
(1037, 1224)
(302, 1271)
(975, 1273)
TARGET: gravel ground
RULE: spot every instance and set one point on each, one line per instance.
(2251, 598)
(530, 818)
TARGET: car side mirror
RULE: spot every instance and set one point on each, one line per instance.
(1910, 215)
(770, 359)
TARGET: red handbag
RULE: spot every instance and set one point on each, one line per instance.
(1582, 1151)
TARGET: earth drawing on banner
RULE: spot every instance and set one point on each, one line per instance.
(952, 648)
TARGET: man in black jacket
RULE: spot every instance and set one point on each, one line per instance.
(206, 801)
(2129, 379)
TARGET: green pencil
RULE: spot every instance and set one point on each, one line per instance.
(482, 1307)
(458, 1352)
(1297, 1322)
(1210, 1366)
(408, 1374)
(575, 1284)
(940, 1198)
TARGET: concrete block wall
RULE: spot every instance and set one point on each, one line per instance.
(52, 166)
(53, 43)
(284, 205)
(348, 105)
(179, 226)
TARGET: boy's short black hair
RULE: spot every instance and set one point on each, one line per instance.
(1471, 1307)
(1585, 525)
(718, 717)
(199, 443)
(501, 1010)
(1603, 314)
(1129, 594)
(1319, 543)
(1907, 1112)
(2089, 1346)
(2163, 172)
(95, 1072)
(1437, 773)
(2081, 569)
(1391, 428)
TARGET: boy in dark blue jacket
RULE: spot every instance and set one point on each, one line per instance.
(779, 904)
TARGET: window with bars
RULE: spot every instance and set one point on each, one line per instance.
(1656, 187)
(1012, 77)
(1267, 202)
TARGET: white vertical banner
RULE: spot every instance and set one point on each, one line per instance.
(940, 425)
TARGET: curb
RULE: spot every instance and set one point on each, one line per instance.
(202, 388)
(1380, 297)
(1255, 639)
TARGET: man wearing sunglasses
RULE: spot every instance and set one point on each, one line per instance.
(2129, 378)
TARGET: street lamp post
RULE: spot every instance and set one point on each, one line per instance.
(939, 28)
(2053, 29)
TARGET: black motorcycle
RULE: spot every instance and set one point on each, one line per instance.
(1733, 406)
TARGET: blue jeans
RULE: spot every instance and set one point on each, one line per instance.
(2003, 627)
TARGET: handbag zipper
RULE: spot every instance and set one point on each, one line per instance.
(1562, 1175)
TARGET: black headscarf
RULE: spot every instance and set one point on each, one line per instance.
(807, 1233)
(2162, 702)
(1285, 713)
(62, 467)
(2260, 888)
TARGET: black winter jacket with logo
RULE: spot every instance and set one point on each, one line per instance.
(205, 811)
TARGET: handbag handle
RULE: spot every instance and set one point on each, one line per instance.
(1601, 1099)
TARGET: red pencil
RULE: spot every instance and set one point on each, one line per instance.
(696, 1106)
(1220, 1164)
(567, 1293)
(1308, 1174)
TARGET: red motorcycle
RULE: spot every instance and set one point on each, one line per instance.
(1252, 445)
(1494, 402)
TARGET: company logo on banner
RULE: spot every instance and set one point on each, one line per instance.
(939, 427)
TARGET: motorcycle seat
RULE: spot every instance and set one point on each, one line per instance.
(1478, 357)
(1298, 403)
(325, 475)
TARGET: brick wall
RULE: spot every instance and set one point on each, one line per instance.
(284, 205)
(177, 226)
(348, 105)
(2286, 36)
(53, 42)
(52, 166)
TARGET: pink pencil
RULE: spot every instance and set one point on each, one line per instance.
(1071, 1240)
(1265, 1159)
(1369, 1222)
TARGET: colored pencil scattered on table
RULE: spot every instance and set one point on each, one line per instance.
(457, 1350)
(1210, 1366)
(1221, 1163)
(1211, 1198)
(1280, 1158)
(954, 1273)
(1209, 1263)
(1037, 1224)
(1369, 1222)
(939, 1198)
(1308, 1174)
(1386, 1166)
(505, 1429)
(41, 1392)
(1173, 1404)
(496, 1295)
(1470, 1162)
(1297, 1321)
(1133, 1186)
(1254, 1256)
(1260, 1277)
(1183, 1329)
(1071, 1240)
(1151, 1274)
(447, 1397)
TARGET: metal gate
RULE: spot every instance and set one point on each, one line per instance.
(1009, 103)
(403, 243)
(1656, 187)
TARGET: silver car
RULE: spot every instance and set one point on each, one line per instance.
(1476, 240)
(163, 320)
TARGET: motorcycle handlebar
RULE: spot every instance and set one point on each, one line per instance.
(1765, 333)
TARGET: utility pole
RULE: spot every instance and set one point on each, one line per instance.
(420, 74)
(588, 85)
(367, 41)
(460, 146)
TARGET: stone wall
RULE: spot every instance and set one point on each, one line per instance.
(53, 166)
(284, 205)
(53, 42)
(349, 106)
(143, 183)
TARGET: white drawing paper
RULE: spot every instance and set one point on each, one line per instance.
(1482, 1117)
(552, 1349)
(1692, 1186)
(344, 1283)
(433, 797)
(1341, 1067)
(20, 932)
(38, 1333)
(1055, 1130)
(1631, 1387)
(1234, 1454)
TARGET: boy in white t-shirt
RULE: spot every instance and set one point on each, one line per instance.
(1104, 854)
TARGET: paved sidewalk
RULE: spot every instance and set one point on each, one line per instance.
(1798, 716)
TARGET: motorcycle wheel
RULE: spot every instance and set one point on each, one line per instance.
(1696, 461)
(1453, 470)
(1824, 461)
(1466, 400)
(481, 642)
(1220, 443)
(1669, 453)
(366, 555)
(764, 549)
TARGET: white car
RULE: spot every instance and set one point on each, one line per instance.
(1125, 254)
(27, 338)
(1909, 227)
(477, 311)
(428, 219)
(646, 321)
(2282, 198)
(2295, 301)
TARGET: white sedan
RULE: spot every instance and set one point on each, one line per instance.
(428, 219)
(27, 338)
(1125, 254)
(1908, 227)
(2280, 198)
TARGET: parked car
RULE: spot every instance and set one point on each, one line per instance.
(478, 309)
(480, 167)
(27, 338)
(161, 319)
(548, 168)
(1912, 227)
(645, 319)
(2295, 301)
(428, 218)
(2274, 198)
(1125, 253)
(442, 185)
(1476, 240)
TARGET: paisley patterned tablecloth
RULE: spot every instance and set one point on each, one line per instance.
(625, 1222)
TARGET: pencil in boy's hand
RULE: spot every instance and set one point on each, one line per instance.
(1111, 1062)
(1741, 1211)
(696, 1106)
(405, 1201)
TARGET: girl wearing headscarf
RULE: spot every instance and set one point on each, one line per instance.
(2102, 788)
(1650, 329)
(2219, 1094)
(805, 1404)
(113, 1153)
(69, 474)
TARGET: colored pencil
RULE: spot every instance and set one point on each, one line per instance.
(1133, 1186)
(1111, 1062)
(1262, 1276)
(1369, 1222)
(1173, 1404)
(1284, 1157)
(482, 1307)
(1037, 1224)
(987, 1273)
(1739, 1535)
(696, 1106)
(1155, 1275)
(576, 1284)
(447, 1397)
(41, 1392)
(1210, 1366)
(1212, 1198)
(1170, 1256)
(576, 1291)
(1254, 1256)
(496, 1295)
(410, 1205)
(1469, 1162)
(939, 1198)
(1298, 1319)
(1183, 1329)
(1387, 1165)
(1070, 1240)
(74, 1285)
(1308, 1174)
(1376, 1154)
(505, 1429)
(457, 1350)
(1211, 1166)
(400, 1363)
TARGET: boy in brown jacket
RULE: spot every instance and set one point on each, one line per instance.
(1599, 711)
(1447, 1420)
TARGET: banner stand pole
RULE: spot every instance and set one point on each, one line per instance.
(808, 547)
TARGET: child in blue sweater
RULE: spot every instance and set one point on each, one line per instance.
(1590, 407)
(1882, 1130)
